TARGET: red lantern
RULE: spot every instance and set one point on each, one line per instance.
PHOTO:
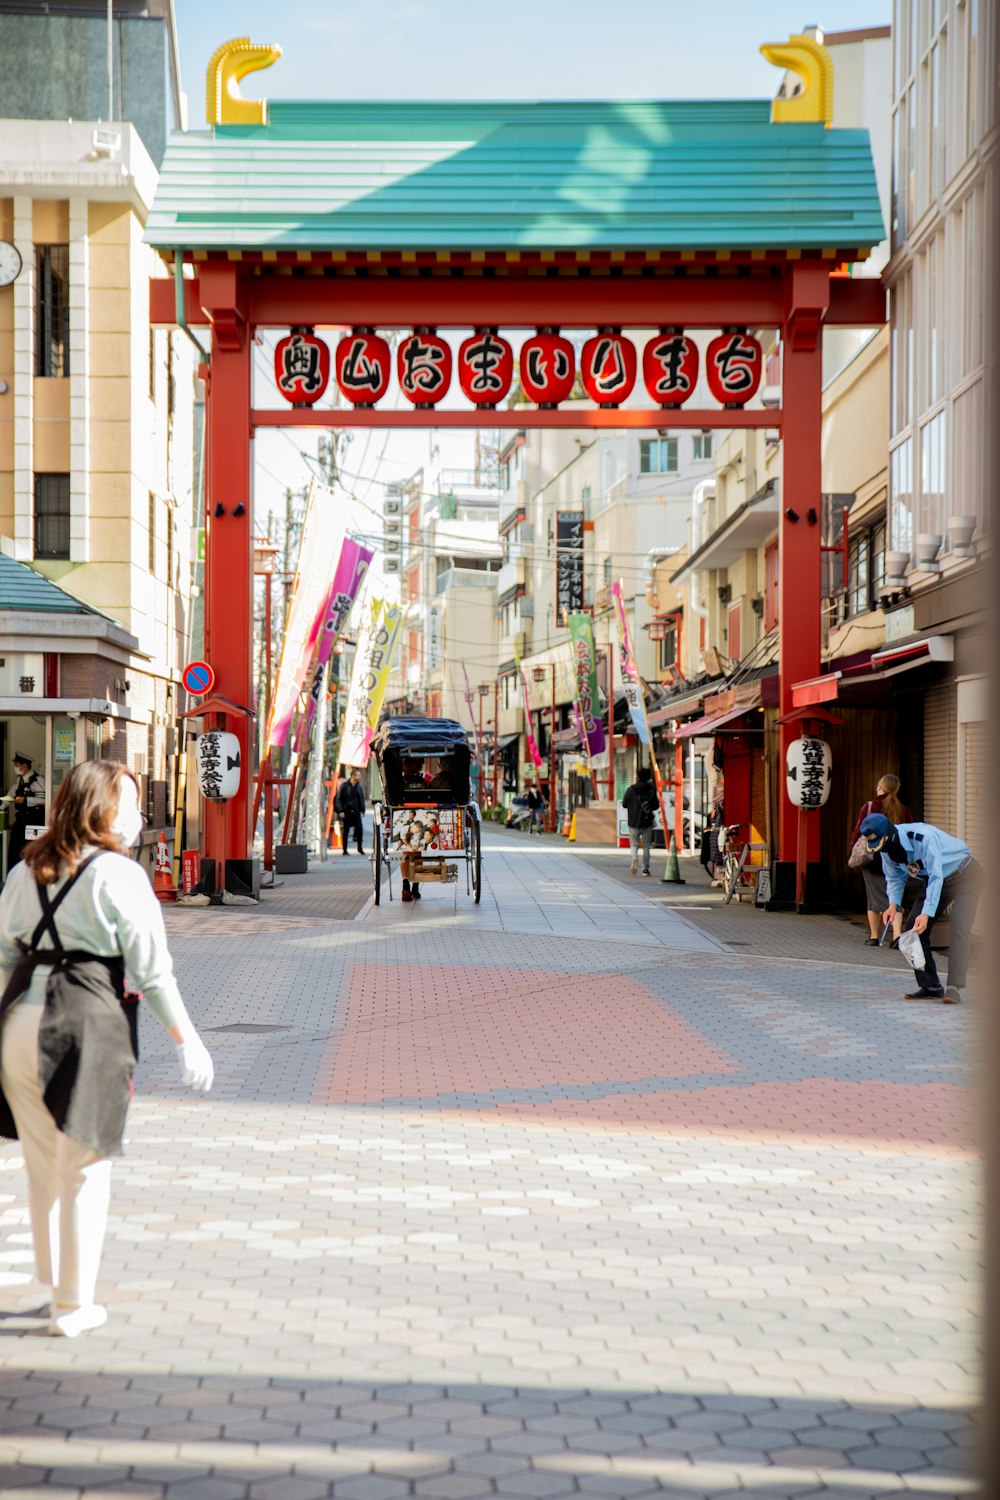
(485, 367)
(670, 367)
(302, 367)
(733, 363)
(608, 367)
(548, 367)
(363, 364)
(423, 363)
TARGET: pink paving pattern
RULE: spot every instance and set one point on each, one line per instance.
(936, 1118)
(420, 1032)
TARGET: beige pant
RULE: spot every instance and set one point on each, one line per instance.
(68, 1184)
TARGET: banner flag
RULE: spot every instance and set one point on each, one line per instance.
(347, 581)
(581, 629)
(472, 716)
(372, 661)
(631, 681)
(322, 538)
(529, 733)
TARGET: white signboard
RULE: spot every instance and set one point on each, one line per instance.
(217, 753)
(808, 772)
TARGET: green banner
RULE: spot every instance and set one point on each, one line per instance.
(588, 698)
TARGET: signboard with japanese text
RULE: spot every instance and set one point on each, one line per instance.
(631, 681)
(808, 772)
(569, 563)
(217, 753)
(350, 575)
(588, 701)
(372, 662)
(533, 751)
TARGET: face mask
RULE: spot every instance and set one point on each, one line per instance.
(127, 825)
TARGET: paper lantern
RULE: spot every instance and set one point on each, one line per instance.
(608, 364)
(423, 363)
(302, 366)
(363, 364)
(808, 772)
(548, 367)
(485, 367)
(670, 367)
(733, 364)
(217, 753)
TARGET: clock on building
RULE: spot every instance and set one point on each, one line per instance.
(10, 263)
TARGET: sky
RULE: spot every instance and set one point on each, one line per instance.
(465, 49)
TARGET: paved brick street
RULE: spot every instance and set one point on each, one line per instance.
(560, 1196)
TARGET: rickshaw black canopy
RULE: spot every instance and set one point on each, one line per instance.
(410, 739)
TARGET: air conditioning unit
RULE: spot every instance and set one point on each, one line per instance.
(390, 565)
(392, 505)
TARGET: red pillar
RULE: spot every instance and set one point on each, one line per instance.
(800, 531)
(229, 547)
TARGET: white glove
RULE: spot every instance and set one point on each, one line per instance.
(196, 1065)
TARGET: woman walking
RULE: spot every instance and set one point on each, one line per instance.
(75, 914)
(886, 800)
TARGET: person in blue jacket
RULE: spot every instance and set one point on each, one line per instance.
(953, 878)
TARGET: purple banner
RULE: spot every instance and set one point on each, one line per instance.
(347, 581)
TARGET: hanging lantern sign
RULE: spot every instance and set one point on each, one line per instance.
(485, 367)
(302, 366)
(670, 367)
(423, 363)
(733, 364)
(608, 364)
(217, 753)
(548, 367)
(363, 365)
(808, 772)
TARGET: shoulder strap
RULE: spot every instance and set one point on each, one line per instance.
(50, 907)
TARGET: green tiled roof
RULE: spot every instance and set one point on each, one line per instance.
(21, 588)
(673, 176)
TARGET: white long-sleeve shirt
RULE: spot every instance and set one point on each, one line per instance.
(111, 910)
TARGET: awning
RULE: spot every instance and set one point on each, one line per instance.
(505, 741)
(889, 662)
(676, 709)
(712, 723)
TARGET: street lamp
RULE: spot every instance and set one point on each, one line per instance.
(539, 675)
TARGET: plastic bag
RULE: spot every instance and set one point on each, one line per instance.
(912, 949)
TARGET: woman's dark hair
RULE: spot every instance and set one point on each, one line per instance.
(644, 774)
(86, 806)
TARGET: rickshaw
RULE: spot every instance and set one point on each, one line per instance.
(426, 820)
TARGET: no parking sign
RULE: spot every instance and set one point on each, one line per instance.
(198, 678)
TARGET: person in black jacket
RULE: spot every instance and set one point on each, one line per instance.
(349, 805)
(640, 804)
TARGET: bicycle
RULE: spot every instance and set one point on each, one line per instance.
(737, 876)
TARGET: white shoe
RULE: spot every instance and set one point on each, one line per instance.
(77, 1320)
(634, 869)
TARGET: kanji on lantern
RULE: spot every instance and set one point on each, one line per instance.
(670, 367)
(363, 364)
(608, 367)
(733, 363)
(485, 367)
(302, 366)
(548, 367)
(423, 363)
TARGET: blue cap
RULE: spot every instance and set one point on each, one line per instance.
(876, 829)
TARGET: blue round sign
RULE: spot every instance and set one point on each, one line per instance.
(198, 678)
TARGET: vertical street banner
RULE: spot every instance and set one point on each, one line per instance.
(347, 580)
(372, 662)
(569, 563)
(631, 681)
(322, 538)
(529, 734)
(588, 698)
(472, 716)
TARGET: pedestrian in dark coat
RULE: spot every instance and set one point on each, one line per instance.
(349, 805)
(74, 915)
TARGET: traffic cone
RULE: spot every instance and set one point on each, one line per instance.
(567, 824)
(672, 873)
(572, 830)
(163, 885)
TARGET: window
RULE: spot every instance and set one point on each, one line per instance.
(702, 446)
(932, 475)
(668, 648)
(152, 533)
(52, 311)
(901, 496)
(170, 548)
(606, 573)
(52, 515)
(658, 456)
(865, 570)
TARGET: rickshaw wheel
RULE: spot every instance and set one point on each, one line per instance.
(476, 855)
(377, 862)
